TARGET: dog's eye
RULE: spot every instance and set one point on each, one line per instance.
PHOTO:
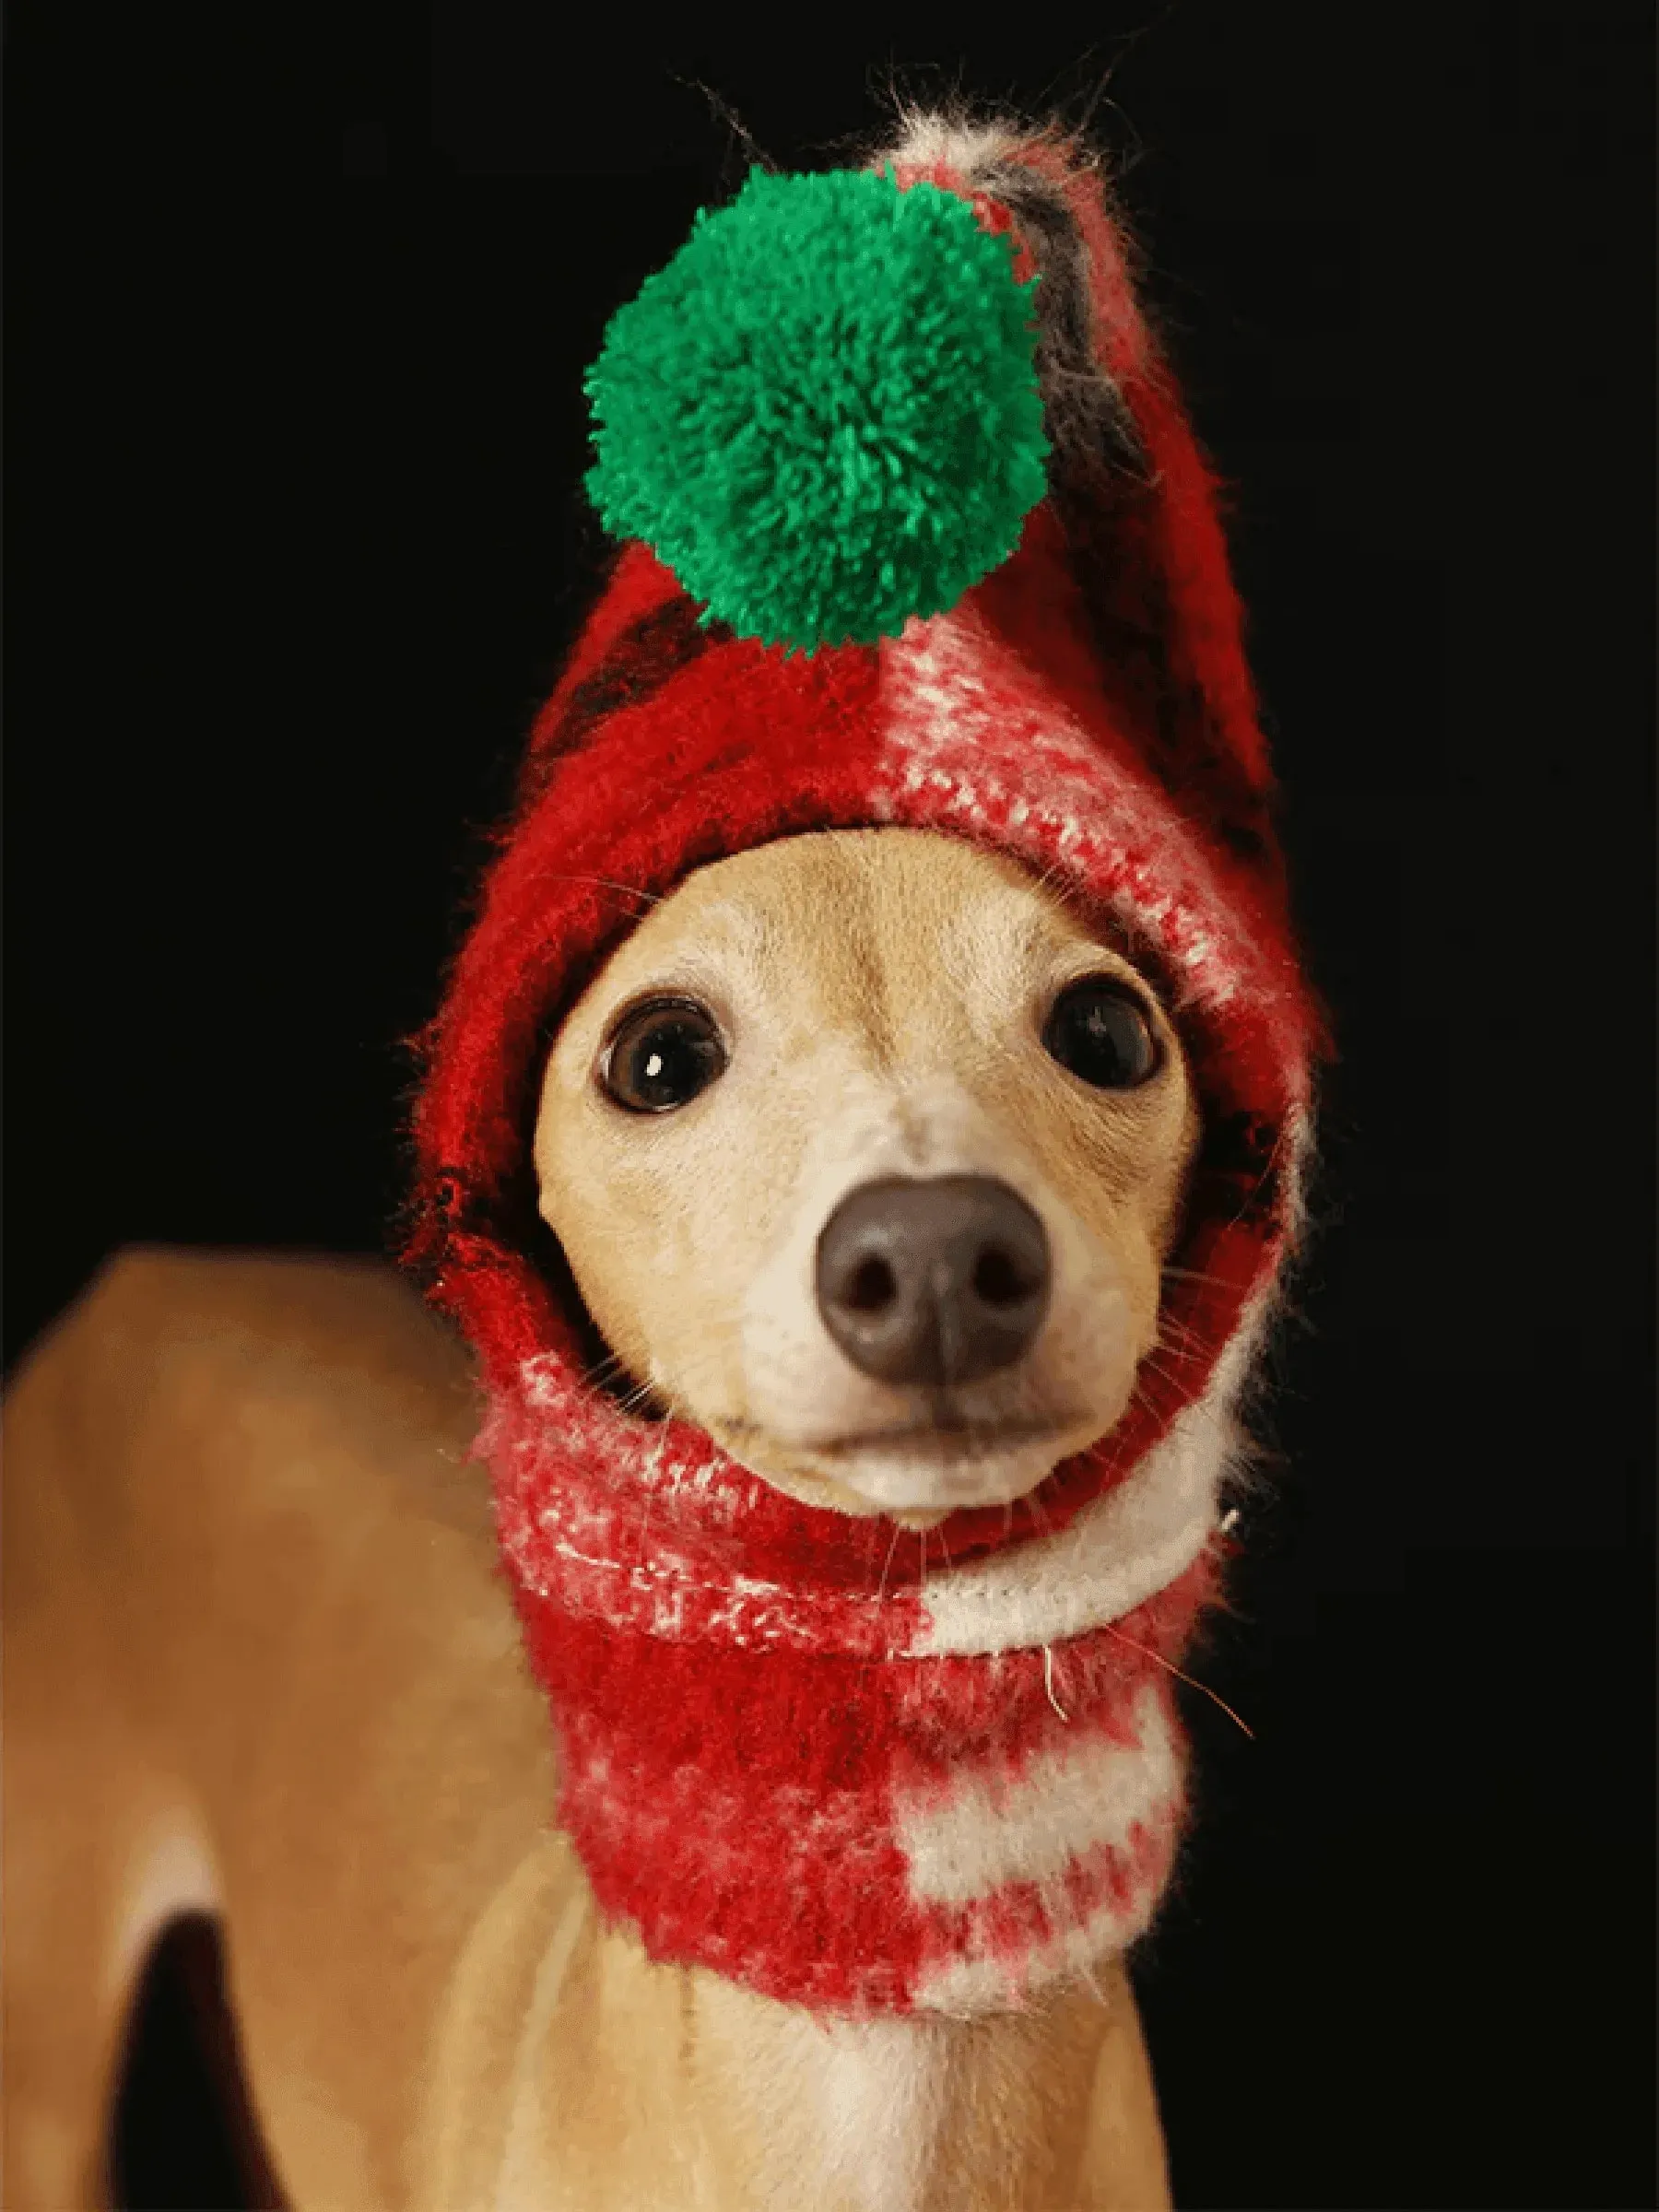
(663, 1054)
(1098, 1030)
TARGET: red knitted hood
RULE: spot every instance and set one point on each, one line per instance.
(1084, 708)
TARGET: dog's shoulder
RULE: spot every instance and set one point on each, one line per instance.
(259, 1373)
(261, 1322)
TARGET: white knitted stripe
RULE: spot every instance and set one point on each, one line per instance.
(982, 1981)
(962, 718)
(1082, 1795)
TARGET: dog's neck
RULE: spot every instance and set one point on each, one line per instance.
(769, 2104)
(902, 2116)
(944, 1799)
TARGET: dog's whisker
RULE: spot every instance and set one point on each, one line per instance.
(886, 1564)
(1039, 1513)
(1197, 1405)
(1197, 1275)
(1165, 1320)
(1213, 1419)
(606, 883)
(1186, 1340)
(1153, 1371)
(1181, 1675)
(1169, 1328)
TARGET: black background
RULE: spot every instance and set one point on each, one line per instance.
(296, 430)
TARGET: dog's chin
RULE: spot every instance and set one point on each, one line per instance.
(918, 1473)
(940, 1472)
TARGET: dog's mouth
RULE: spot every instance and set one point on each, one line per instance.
(948, 1439)
(930, 1466)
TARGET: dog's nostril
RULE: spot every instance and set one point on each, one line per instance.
(998, 1278)
(872, 1288)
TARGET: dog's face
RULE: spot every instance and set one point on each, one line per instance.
(865, 1158)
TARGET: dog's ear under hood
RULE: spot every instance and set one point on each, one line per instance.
(916, 532)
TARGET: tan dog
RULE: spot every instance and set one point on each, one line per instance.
(259, 1659)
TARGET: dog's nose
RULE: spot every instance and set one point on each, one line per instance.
(934, 1282)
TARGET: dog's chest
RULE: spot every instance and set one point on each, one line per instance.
(858, 2106)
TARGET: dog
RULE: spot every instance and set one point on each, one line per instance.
(857, 1146)
(260, 1662)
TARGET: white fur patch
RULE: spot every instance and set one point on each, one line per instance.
(172, 1872)
(1030, 1828)
(877, 2090)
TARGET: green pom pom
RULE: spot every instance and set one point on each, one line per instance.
(824, 414)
